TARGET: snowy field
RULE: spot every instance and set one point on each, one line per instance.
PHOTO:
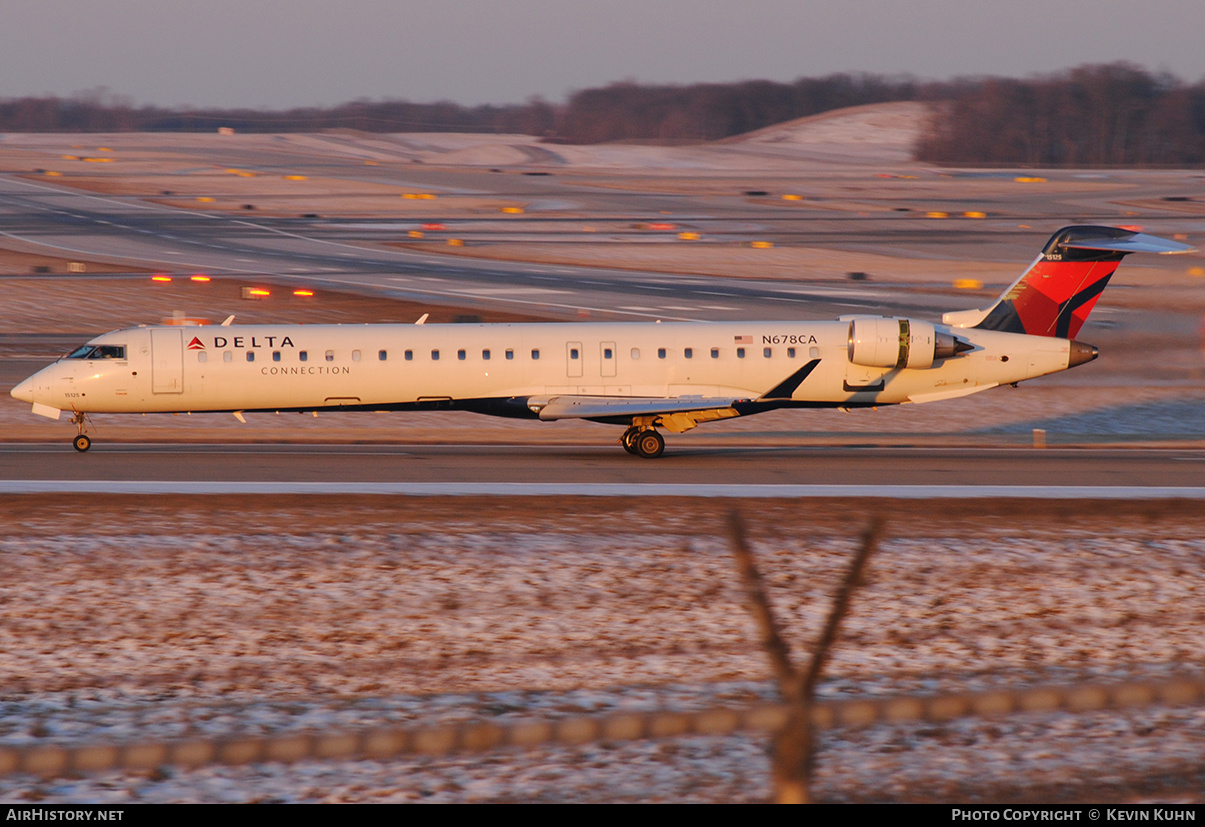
(189, 617)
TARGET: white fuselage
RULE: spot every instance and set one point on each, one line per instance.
(312, 367)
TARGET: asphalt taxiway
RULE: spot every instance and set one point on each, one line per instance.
(685, 470)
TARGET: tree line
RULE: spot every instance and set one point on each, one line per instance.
(1092, 115)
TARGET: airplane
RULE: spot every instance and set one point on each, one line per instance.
(642, 376)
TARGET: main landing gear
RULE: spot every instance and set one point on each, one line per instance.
(82, 441)
(642, 442)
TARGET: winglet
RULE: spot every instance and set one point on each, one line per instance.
(786, 388)
(423, 318)
(226, 322)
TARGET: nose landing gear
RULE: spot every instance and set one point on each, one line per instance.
(82, 442)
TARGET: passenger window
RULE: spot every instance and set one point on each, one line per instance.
(460, 354)
(740, 353)
(510, 354)
(355, 355)
(790, 353)
(715, 353)
(766, 352)
(250, 355)
(382, 355)
(330, 356)
(607, 354)
(227, 356)
(635, 353)
(485, 354)
(202, 356)
(535, 353)
(814, 353)
(408, 355)
(276, 356)
(302, 356)
(573, 353)
(660, 353)
(689, 353)
(435, 356)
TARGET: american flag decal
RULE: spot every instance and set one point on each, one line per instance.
(742, 340)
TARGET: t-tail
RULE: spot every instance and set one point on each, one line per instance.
(1058, 291)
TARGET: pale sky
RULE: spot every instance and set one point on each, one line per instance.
(284, 53)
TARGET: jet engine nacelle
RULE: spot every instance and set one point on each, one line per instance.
(900, 343)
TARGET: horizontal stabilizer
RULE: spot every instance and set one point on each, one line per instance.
(1130, 243)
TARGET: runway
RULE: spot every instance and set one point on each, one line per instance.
(588, 470)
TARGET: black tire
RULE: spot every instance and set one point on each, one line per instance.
(81, 443)
(628, 440)
(649, 444)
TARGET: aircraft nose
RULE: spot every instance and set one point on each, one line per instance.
(24, 391)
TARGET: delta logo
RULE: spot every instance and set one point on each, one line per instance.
(196, 344)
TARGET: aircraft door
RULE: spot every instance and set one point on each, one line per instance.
(573, 358)
(167, 360)
(606, 357)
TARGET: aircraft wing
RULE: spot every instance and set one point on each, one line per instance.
(594, 407)
(677, 411)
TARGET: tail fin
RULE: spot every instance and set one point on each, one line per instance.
(1058, 291)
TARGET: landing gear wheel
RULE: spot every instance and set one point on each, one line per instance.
(649, 444)
(628, 440)
(82, 443)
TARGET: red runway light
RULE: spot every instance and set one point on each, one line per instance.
(199, 277)
(161, 278)
(303, 292)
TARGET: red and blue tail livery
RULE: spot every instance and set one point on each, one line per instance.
(1058, 291)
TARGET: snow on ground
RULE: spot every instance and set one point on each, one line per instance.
(178, 616)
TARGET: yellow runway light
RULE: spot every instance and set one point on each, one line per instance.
(968, 284)
(512, 210)
(205, 199)
(689, 236)
(1029, 179)
(1196, 272)
(974, 215)
(762, 245)
(53, 174)
(415, 233)
(937, 214)
(297, 178)
(455, 242)
(198, 277)
(161, 278)
(792, 198)
(303, 292)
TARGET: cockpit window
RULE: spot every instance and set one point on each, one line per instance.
(98, 352)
